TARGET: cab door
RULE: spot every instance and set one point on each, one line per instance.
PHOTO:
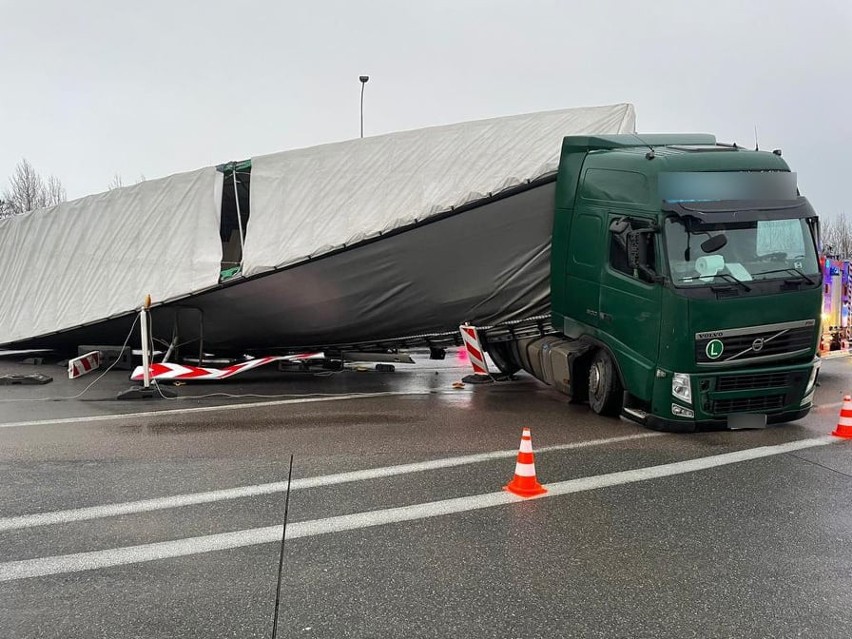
(629, 314)
(583, 270)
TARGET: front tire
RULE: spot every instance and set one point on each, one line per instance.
(605, 390)
(501, 355)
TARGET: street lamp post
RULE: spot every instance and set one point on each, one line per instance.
(363, 79)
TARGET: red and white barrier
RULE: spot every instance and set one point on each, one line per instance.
(84, 364)
(474, 349)
(200, 373)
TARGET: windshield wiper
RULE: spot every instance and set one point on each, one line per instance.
(725, 276)
(731, 278)
(789, 270)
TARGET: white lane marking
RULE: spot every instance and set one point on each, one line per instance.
(176, 501)
(78, 562)
(207, 409)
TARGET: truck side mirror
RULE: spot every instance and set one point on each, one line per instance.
(619, 226)
(639, 254)
(637, 249)
(635, 244)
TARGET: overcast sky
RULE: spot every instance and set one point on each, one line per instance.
(95, 88)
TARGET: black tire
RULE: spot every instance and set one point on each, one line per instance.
(501, 355)
(605, 391)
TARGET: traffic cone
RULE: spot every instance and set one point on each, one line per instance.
(844, 422)
(524, 482)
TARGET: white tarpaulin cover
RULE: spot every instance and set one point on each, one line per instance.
(311, 201)
(98, 256)
(90, 260)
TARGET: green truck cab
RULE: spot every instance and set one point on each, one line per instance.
(685, 284)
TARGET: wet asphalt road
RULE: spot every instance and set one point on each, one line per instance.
(755, 548)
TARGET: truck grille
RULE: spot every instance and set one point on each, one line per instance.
(750, 382)
(747, 404)
(720, 348)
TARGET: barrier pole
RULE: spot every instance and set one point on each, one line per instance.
(143, 323)
(146, 391)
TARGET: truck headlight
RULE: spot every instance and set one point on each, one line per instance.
(681, 387)
(812, 379)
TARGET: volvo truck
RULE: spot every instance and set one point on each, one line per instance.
(685, 285)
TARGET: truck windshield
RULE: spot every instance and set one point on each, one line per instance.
(749, 251)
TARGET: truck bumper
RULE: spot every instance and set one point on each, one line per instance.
(666, 425)
(740, 398)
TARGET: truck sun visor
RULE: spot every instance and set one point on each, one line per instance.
(705, 186)
(728, 211)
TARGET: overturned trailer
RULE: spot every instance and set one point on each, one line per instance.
(384, 240)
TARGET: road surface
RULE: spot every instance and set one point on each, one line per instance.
(161, 519)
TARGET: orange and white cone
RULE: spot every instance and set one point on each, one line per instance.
(524, 482)
(844, 422)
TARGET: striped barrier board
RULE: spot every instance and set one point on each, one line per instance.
(180, 372)
(84, 364)
(474, 349)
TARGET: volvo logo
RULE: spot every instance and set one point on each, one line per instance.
(710, 335)
(757, 345)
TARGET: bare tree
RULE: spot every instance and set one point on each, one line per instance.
(29, 191)
(836, 235)
(115, 183)
(54, 191)
(26, 190)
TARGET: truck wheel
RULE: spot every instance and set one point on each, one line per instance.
(501, 355)
(605, 391)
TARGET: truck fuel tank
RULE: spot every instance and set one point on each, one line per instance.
(551, 359)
